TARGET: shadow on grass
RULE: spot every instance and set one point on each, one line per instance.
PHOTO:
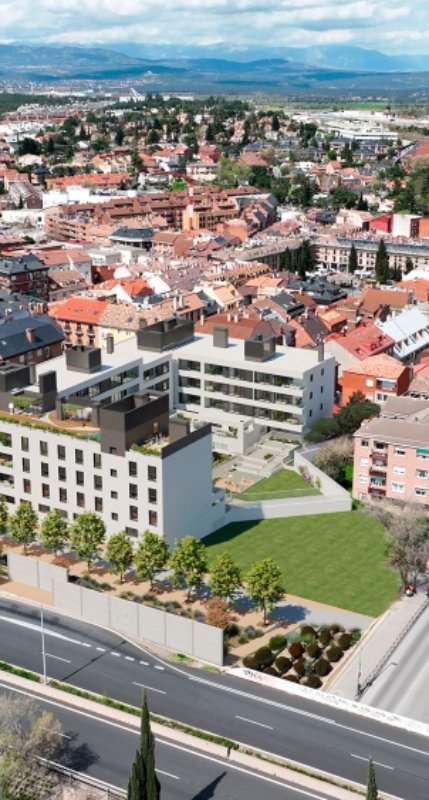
(230, 532)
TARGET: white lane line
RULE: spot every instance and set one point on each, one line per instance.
(168, 774)
(158, 667)
(118, 655)
(144, 663)
(47, 632)
(129, 658)
(101, 649)
(149, 688)
(378, 764)
(253, 722)
(86, 644)
(57, 658)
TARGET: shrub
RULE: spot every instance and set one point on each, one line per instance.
(308, 638)
(243, 639)
(291, 678)
(271, 671)
(335, 628)
(277, 642)
(299, 666)
(344, 640)
(313, 682)
(313, 650)
(234, 630)
(356, 635)
(264, 657)
(334, 653)
(293, 636)
(322, 667)
(307, 630)
(283, 664)
(324, 637)
(250, 662)
(296, 649)
(218, 613)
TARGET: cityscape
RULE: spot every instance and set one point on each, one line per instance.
(214, 402)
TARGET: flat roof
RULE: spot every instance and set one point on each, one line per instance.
(394, 431)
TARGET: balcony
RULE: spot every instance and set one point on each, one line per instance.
(378, 471)
(379, 455)
(377, 491)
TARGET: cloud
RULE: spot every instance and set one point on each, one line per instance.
(235, 23)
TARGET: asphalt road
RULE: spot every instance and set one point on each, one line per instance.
(105, 750)
(402, 685)
(300, 730)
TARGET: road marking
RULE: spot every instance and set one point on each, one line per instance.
(158, 667)
(47, 632)
(168, 774)
(57, 658)
(85, 644)
(149, 688)
(129, 658)
(252, 722)
(377, 763)
(101, 649)
(118, 655)
(144, 663)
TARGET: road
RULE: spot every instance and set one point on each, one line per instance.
(105, 750)
(401, 687)
(294, 728)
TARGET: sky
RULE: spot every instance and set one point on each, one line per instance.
(392, 26)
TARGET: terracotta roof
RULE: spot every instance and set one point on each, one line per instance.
(78, 309)
(363, 341)
(53, 258)
(379, 366)
(373, 299)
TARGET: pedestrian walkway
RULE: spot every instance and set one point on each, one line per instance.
(379, 638)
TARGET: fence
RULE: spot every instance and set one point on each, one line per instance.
(145, 622)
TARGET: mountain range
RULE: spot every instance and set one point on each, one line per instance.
(323, 71)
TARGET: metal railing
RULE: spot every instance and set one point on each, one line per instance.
(80, 777)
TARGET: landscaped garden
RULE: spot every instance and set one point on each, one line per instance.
(337, 559)
(283, 484)
(306, 655)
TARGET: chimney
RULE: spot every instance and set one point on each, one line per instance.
(320, 350)
(30, 334)
(110, 344)
(202, 318)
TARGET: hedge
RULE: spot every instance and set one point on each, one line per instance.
(283, 664)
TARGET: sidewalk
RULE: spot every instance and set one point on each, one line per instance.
(377, 641)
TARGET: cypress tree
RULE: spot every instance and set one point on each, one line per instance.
(382, 269)
(287, 261)
(371, 790)
(353, 260)
(147, 750)
(137, 781)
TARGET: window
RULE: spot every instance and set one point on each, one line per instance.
(26, 465)
(369, 382)
(24, 444)
(27, 486)
(364, 443)
(151, 473)
(363, 478)
(134, 513)
(97, 460)
(62, 474)
(98, 504)
(44, 469)
(399, 451)
(44, 449)
(321, 406)
(364, 462)
(78, 456)
(132, 469)
(79, 478)
(322, 372)
(80, 500)
(98, 482)
(114, 495)
(399, 470)
(114, 516)
(132, 532)
(43, 509)
(311, 395)
(61, 452)
(113, 473)
(112, 451)
(380, 446)
(398, 487)
(153, 518)
(421, 473)
(311, 378)
(63, 495)
(46, 491)
(420, 492)
(133, 489)
(151, 495)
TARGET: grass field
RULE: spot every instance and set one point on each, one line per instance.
(336, 559)
(284, 483)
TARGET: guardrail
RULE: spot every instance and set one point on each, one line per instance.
(80, 777)
(362, 687)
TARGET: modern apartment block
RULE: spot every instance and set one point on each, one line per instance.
(89, 431)
(391, 455)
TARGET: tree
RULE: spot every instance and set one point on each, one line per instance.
(371, 787)
(305, 259)
(23, 524)
(225, 577)
(286, 264)
(119, 552)
(119, 136)
(230, 173)
(4, 515)
(143, 783)
(409, 265)
(151, 556)
(27, 735)
(217, 613)
(335, 457)
(265, 585)
(188, 562)
(382, 269)
(353, 260)
(406, 536)
(152, 137)
(353, 414)
(54, 531)
(275, 123)
(87, 536)
(323, 429)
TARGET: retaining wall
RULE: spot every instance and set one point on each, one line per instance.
(34, 572)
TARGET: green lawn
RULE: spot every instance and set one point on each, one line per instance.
(284, 483)
(336, 559)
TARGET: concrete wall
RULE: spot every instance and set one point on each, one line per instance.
(24, 569)
(144, 622)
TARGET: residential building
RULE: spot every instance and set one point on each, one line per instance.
(409, 331)
(364, 340)
(25, 274)
(391, 454)
(29, 339)
(377, 378)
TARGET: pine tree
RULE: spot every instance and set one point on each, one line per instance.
(382, 269)
(353, 260)
(372, 790)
